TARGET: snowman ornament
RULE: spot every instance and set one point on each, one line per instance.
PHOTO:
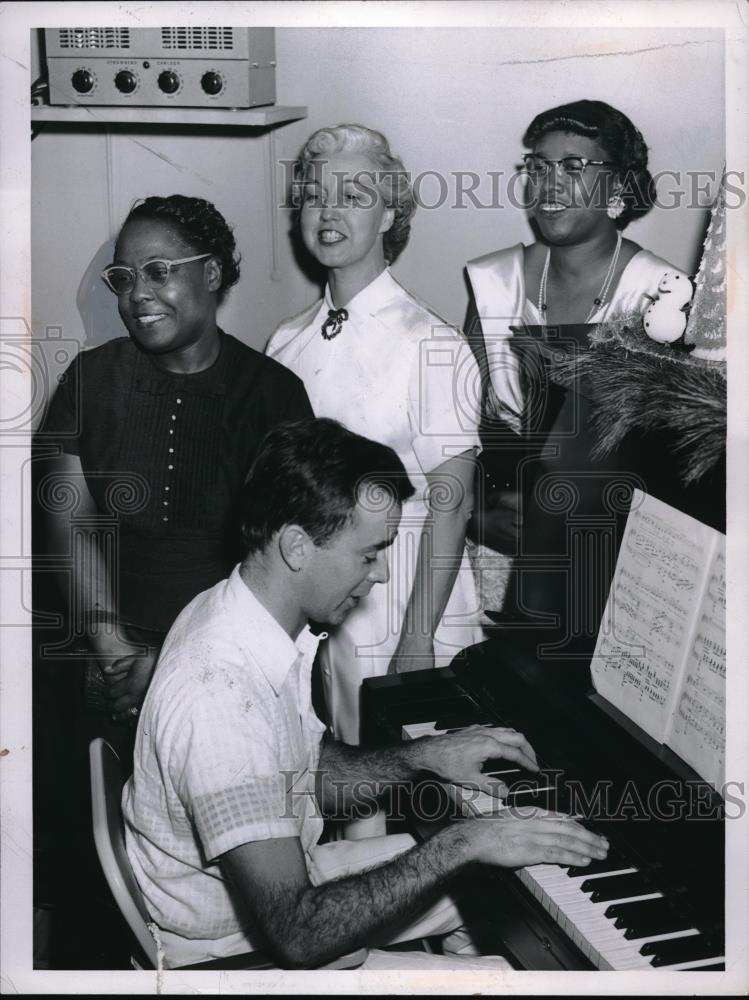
(665, 319)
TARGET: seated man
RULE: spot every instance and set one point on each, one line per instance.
(233, 773)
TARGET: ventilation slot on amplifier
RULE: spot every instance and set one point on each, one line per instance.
(94, 38)
(197, 38)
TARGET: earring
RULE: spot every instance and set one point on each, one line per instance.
(615, 206)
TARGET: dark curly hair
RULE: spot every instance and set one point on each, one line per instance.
(392, 178)
(201, 226)
(616, 134)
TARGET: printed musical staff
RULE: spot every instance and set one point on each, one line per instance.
(698, 732)
(660, 655)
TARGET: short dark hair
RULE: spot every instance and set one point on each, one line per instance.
(311, 473)
(623, 143)
(200, 224)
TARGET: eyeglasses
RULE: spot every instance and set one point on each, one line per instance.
(572, 166)
(121, 279)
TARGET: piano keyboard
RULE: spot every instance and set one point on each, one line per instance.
(609, 909)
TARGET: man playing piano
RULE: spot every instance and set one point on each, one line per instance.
(233, 772)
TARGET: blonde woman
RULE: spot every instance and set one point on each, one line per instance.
(385, 365)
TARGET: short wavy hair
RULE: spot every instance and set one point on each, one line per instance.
(201, 226)
(392, 179)
(615, 133)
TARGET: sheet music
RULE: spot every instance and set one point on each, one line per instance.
(698, 727)
(648, 627)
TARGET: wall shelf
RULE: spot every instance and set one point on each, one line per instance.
(207, 117)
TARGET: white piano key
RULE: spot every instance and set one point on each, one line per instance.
(577, 880)
(474, 802)
(696, 963)
(689, 932)
(585, 922)
(413, 730)
(516, 793)
(416, 729)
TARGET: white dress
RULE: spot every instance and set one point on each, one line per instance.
(498, 284)
(398, 374)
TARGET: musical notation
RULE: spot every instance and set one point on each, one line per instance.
(698, 729)
(660, 656)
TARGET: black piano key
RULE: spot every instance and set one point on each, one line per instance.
(630, 913)
(656, 921)
(616, 886)
(637, 908)
(684, 949)
(717, 967)
(614, 861)
(518, 776)
(668, 925)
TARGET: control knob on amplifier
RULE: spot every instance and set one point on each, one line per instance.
(212, 82)
(168, 82)
(82, 81)
(125, 81)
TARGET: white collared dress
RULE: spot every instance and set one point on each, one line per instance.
(399, 374)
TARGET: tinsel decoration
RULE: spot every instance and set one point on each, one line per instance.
(706, 328)
(635, 384)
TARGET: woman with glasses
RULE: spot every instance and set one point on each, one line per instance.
(157, 430)
(386, 366)
(587, 178)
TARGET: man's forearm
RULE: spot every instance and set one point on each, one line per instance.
(349, 776)
(369, 908)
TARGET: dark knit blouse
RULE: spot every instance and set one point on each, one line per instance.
(167, 454)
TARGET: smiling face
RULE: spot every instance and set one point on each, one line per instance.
(571, 209)
(176, 323)
(343, 214)
(340, 573)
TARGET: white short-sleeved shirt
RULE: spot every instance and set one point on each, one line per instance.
(396, 373)
(227, 728)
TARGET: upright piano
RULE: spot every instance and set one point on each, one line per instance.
(658, 899)
(657, 902)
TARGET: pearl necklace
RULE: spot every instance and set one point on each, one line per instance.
(598, 300)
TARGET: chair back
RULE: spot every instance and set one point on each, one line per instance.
(107, 781)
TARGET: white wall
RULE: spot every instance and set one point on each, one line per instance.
(451, 101)
(448, 100)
